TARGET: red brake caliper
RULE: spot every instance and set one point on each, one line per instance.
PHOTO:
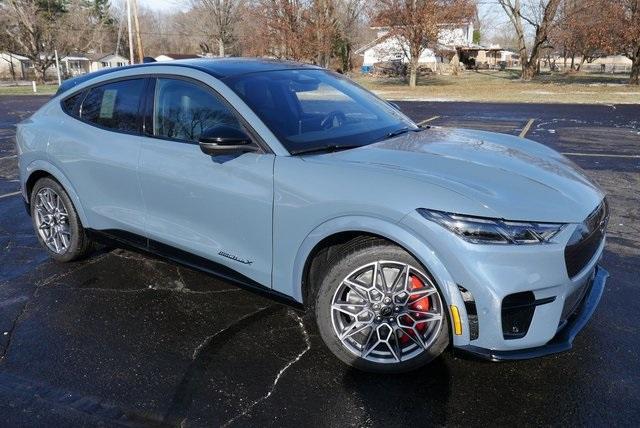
(416, 303)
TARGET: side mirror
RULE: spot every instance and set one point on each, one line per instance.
(224, 140)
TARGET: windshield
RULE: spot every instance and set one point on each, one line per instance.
(311, 110)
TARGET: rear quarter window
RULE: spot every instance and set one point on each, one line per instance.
(71, 105)
(115, 105)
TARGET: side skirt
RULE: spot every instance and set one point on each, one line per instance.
(132, 241)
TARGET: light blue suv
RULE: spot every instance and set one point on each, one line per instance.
(293, 180)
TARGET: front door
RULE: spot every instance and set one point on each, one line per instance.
(216, 207)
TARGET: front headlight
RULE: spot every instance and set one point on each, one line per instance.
(479, 230)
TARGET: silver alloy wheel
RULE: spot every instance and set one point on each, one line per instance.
(52, 220)
(387, 312)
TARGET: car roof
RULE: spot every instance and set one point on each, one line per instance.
(229, 67)
(217, 67)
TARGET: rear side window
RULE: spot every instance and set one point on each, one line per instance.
(114, 105)
(183, 110)
(71, 105)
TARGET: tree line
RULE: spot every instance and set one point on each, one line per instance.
(587, 29)
(324, 32)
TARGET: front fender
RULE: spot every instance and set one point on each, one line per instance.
(396, 233)
(41, 165)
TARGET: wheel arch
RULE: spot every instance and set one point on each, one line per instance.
(40, 169)
(344, 228)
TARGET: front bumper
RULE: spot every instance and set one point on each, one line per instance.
(563, 340)
(487, 274)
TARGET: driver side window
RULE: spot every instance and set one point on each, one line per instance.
(183, 110)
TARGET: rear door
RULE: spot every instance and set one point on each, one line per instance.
(97, 148)
(216, 207)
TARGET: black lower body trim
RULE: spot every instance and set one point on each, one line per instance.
(139, 243)
(563, 340)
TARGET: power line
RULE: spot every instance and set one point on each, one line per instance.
(150, 33)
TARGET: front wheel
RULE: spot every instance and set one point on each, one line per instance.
(378, 310)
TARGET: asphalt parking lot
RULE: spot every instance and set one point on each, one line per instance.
(127, 339)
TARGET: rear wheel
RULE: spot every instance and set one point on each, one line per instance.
(378, 310)
(56, 222)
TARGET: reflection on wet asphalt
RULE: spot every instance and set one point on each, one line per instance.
(127, 339)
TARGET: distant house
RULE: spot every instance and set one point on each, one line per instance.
(74, 65)
(102, 60)
(510, 57)
(13, 66)
(604, 64)
(386, 47)
(490, 57)
(172, 56)
(70, 66)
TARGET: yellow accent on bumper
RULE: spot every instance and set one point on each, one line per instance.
(457, 324)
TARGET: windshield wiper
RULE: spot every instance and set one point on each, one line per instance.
(338, 147)
(401, 131)
(327, 149)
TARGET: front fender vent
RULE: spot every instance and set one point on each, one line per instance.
(472, 312)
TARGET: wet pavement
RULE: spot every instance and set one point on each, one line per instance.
(125, 339)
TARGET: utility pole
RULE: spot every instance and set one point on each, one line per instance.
(131, 59)
(137, 24)
(55, 51)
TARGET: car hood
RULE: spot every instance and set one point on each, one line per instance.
(509, 177)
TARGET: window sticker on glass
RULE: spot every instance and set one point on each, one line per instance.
(108, 102)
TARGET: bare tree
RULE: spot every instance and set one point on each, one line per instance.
(38, 28)
(582, 33)
(171, 32)
(318, 31)
(541, 18)
(280, 29)
(417, 24)
(504, 36)
(321, 21)
(219, 19)
(351, 27)
(626, 14)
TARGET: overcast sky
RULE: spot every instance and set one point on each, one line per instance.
(164, 4)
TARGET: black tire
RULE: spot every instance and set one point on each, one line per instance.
(80, 244)
(345, 260)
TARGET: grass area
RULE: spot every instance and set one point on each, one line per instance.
(28, 90)
(505, 86)
(481, 86)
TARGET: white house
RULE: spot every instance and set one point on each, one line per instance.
(610, 64)
(393, 48)
(12, 66)
(101, 60)
(491, 56)
(70, 66)
(74, 65)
